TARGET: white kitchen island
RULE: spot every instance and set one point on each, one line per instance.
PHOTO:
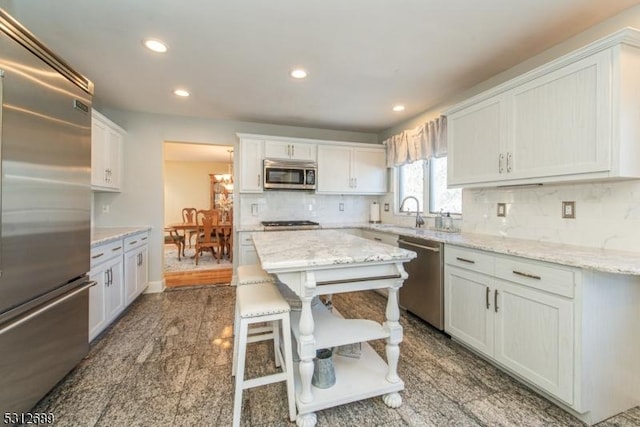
(325, 262)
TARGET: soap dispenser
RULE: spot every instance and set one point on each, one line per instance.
(447, 222)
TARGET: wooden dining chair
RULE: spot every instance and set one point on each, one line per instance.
(207, 238)
(226, 234)
(177, 239)
(189, 216)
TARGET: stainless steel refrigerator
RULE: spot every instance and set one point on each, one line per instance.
(45, 148)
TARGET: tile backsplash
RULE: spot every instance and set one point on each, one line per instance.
(607, 215)
(300, 205)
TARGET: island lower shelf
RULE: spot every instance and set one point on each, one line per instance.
(332, 330)
(356, 379)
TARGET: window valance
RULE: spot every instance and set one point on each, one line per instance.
(422, 143)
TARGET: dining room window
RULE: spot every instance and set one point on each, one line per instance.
(426, 180)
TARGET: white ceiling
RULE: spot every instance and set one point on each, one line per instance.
(363, 56)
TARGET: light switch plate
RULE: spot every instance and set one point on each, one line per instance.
(502, 210)
(386, 207)
(341, 207)
(568, 210)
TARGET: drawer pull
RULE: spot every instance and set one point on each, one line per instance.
(465, 260)
(133, 243)
(116, 249)
(378, 239)
(97, 256)
(495, 300)
(144, 238)
(530, 276)
(487, 298)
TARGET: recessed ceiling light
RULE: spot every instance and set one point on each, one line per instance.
(398, 108)
(155, 45)
(181, 92)
(298, 73)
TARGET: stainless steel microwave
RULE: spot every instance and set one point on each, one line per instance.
(289, 175)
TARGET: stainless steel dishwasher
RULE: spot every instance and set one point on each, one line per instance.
(423, 292)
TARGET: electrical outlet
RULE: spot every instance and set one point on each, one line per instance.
(254, 209)
(502, 210)
(341, 207)
(310, 207)
(569, 210)
(106, 208)
(386, 207)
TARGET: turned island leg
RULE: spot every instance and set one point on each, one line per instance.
(306, 350)
(393, 400)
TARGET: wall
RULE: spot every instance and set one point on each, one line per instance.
(280, 205)
(141, 201)
(608, 215)
(187, 184)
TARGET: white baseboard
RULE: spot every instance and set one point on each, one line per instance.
(156, 287)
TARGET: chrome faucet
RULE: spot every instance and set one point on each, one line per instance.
(419, 219)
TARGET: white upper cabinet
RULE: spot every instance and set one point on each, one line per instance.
(573, 119)
(351, 169)
(289, 150)
(343, 167)
(106, 153)
(480, 157)
(250, 164)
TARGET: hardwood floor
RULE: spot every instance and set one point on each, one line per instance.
(221, 276)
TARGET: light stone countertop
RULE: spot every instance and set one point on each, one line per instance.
(605, 260)
(308, 248)
(100, 235)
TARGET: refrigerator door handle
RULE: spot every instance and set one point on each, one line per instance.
(35, 313)
(1, 104)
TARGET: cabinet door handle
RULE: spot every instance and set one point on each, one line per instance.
(97, 256)
(495, 300)
(487, 298)
(509, 161)
(500, 160)
(355, 182)
(106, 277)
(530, 276)
(288, 150)
(465, 260)
(293, 150)
(258, 180)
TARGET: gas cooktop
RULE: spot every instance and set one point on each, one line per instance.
(290, 225)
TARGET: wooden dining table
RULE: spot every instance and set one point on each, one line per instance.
(224, 230)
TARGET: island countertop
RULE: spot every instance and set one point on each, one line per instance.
(309, 248)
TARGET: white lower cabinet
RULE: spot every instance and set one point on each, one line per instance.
(563, 330)
(106, 297)
(247, 252)
(135, 265)
(120, 277)
(524, 328)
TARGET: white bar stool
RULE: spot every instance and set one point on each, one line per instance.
(253, 273)
(258, 303)
(248, 275)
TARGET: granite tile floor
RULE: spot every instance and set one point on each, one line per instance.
(167, 362)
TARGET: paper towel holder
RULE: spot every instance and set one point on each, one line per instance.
(374, 213)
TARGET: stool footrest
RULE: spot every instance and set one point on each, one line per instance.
(269, 379)
(261, 337)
